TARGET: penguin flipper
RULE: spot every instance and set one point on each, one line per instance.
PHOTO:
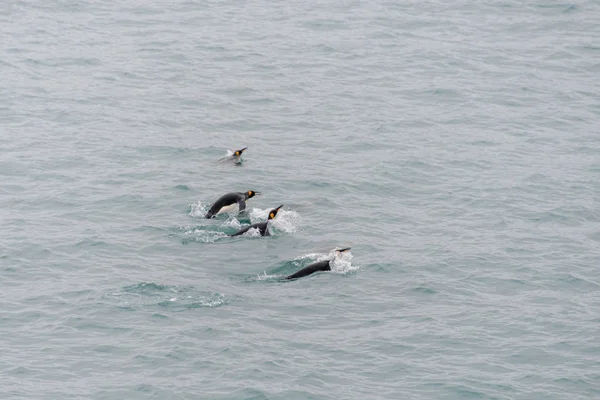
(241, 205)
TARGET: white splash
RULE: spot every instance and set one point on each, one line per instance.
(341, 262)
(266, 277)
(232, 222)
(313, 256)
(252, 232)
(198, 209)
(201, 235)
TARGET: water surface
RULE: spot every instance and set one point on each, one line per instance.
(453, 146)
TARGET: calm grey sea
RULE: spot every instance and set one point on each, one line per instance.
(455, 146)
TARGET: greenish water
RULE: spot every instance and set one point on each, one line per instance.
(454, 147)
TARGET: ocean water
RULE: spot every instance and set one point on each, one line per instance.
(455, 146)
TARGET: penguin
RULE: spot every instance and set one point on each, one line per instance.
(314, 267)
(263, 227)
(237, 155)
(230, 202)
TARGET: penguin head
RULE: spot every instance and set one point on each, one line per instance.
(250, 194)
(238, 153)
(274, 212)
(342, 250)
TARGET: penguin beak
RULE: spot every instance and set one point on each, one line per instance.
(257, 193)
(342, 250)
(278, 208)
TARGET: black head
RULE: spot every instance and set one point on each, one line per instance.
(343, 250)
(239, 152)
(251, 193)
(274, 212)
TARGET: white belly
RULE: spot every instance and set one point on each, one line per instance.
(232, 208)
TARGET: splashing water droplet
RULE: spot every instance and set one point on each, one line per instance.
(198, 209)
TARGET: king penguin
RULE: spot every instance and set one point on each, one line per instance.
(263, 227)
(229, 202)
(314, 267)
(237, 155)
